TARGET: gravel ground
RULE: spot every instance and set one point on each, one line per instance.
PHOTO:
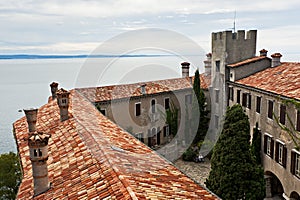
(197, 171)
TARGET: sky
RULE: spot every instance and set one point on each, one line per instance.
(78, 26)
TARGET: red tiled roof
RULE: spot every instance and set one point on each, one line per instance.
(247, 61)
(282, 80)
(90, 157)
(106, 93)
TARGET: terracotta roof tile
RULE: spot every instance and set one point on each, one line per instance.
(248, 61)
(282, 80)
(85, 163)
(106, 93)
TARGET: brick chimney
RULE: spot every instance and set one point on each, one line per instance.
(54, 88)
(263, 52)
(38, 151)
(276, 59)
(207, 63)
(31, 116)
(63, 103)
(185, 66)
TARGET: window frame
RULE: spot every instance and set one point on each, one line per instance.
(153, 107)
(258, 105)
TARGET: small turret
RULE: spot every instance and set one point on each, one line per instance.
(207, 64)
(63, 103)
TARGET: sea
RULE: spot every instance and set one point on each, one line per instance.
(25, 80)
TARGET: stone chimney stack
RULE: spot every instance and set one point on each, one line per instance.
(207, 63)
(263, 52)
(63, 103)
(31, 116)
(185, 66)
(38, 151)
(276, 59)
(54, 88)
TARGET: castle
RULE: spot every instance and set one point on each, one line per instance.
(89, 155)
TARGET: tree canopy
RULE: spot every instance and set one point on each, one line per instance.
(10, 175)
(234, 173)
(199, 101)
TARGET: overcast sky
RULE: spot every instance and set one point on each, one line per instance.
(78, 27)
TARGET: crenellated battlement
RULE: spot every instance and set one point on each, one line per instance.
(239, 35)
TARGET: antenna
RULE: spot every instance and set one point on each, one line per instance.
(234, 21)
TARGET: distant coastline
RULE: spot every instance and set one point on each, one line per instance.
(33, 56)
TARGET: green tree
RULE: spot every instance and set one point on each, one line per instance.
(293, 133)
(199, 105)
(10, 175)
(172, 118)
(256, 145)
(234, 173)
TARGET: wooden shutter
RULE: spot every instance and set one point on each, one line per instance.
(272, 148)
(277, 152)
(284, 157)
(270, 109)
(298, 121)
(293, 161)
(265, 144)
(249, 101)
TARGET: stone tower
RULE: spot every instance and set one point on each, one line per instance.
(63, 103)
(38, 151)
(227, 47)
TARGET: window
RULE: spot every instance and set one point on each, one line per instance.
(258, 103)
(280, 153)
(153, 106)
(216, 121)
(268, 145)
(231, 93)
(282, 114)
(137, 109)
(167, 103)
(295, 163)
(217, 96)
(35, 153)
(249, 101)
(64, 101)
(244, 100)
(103, 111)
(188, 99)
(166, 131)
(298, 121)
(270, 109)
(217, 66)
(238, 96)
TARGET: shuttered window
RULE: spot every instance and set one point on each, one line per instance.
(282, 114)
(258, 104)
(270, 109)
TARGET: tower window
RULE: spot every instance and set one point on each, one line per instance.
(35, 153)
(217, 66)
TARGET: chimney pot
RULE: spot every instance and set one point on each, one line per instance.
(63, 103)
(54, 88)
(276, 59)
(207, 64)
(31, 117)
(263, 52)
(185, 66)
(38, 152)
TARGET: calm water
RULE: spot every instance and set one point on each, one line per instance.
(25, 83)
